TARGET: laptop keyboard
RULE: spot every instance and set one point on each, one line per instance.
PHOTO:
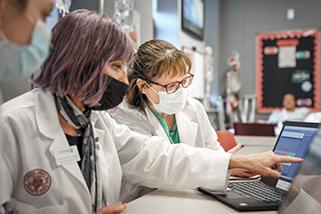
(259, 191)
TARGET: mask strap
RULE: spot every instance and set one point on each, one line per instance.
(30, 18)
(153, 91)
(3, 36)
(150, 99)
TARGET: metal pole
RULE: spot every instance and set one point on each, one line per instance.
(101, 6)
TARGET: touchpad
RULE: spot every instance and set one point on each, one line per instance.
(235, 195)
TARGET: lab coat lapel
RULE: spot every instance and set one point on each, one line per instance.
(158, 129)
(99, 138)
(187, 129)
(48, 125)
(73, 169)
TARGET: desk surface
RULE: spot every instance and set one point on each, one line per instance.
(255, 144)
(177, 202)
(191, 201)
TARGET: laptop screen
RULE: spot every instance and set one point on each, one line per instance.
(305, 193)
(294, 140)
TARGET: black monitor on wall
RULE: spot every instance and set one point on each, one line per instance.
(193, 18)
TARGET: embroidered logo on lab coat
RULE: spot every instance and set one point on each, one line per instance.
(37, 182)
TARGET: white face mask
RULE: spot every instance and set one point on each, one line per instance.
(21, 61)
(170, 103)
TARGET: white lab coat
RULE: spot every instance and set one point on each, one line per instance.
(313, 117)
(193, 126)
(304, 195)
(279, 116)
(282, 115)
(303, 202)
(31, 132)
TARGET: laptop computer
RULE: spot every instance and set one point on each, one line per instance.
(254, 129)
(305, 193)
(268, 193)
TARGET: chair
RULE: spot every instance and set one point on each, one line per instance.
(217, 110)
(248, 106)
(254, 129)
(226, 139)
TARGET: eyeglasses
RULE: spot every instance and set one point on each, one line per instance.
(174, 86)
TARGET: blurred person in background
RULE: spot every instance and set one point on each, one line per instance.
(24, 37)
(289, 111)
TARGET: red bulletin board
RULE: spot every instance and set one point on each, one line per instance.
(288, 62)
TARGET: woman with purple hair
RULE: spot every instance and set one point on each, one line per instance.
(61, 154)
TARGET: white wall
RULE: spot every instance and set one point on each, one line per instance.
(166, 23)
(212, 33)
(145, 9)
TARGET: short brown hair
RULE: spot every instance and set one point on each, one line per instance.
(154, 58)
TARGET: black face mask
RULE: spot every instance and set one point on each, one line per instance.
(113, 95)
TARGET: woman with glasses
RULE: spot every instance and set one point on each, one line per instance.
(157, 103)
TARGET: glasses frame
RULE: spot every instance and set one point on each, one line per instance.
(179, 83)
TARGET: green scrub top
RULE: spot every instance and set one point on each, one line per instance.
(172, 134)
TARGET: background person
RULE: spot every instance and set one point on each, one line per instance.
(24, 37)
(289, 112)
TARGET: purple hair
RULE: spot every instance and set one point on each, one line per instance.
(83, 43)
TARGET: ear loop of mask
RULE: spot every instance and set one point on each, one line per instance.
(153, 91)
(152, 88)
(3, 36)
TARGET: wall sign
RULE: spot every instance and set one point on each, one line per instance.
(288, 62)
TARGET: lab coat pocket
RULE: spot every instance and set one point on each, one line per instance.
(17, 207)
